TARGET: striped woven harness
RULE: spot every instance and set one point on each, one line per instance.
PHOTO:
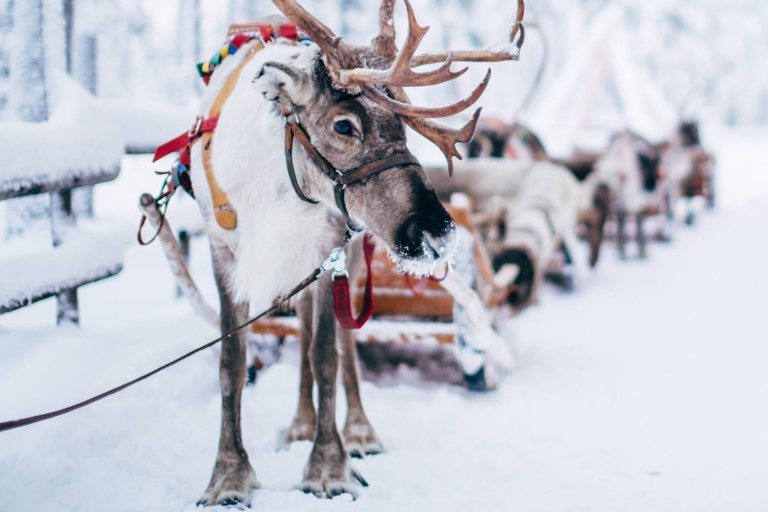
(203, 129)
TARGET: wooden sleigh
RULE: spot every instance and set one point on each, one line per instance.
(455, 310)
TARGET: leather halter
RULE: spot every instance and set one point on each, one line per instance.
(340, 179)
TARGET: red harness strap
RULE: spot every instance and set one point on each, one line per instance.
(342, 302)
(184, 142)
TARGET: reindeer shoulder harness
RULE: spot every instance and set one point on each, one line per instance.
(204, 127)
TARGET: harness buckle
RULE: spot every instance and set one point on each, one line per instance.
(195, 130)
(336, 262)
(292, 118)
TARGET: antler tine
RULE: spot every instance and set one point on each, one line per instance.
(400, 73)
(444, 137)
(401, 105)
(331, 44)
(496, 53)
(384, 43)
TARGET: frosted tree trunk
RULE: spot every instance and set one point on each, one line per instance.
(6, 23)
(28, 96)
(188, 42)
(85, 73)
(54, 40)
(28, 92)
(87, 56)
(69, 23)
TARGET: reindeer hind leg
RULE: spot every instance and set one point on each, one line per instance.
(641, 238)
(329, 471)
(621, 232)
(303, 426)
(359, 437)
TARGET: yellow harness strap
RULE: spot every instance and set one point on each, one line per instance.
(226, 216)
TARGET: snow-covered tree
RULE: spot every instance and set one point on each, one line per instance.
(29, 98)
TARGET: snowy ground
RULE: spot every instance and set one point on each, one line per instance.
(644, 390)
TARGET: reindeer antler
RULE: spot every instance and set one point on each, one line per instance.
(384, 43)
(400, 73)
(444, 137)
(344, 63)
(499, 52)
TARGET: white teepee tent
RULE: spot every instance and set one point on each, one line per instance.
(599, 91)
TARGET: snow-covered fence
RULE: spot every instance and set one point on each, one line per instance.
(76, 259)
(68, 150)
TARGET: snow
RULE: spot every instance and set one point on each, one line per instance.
(640, 391)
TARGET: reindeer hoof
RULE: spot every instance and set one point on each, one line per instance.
(329, 472)
(328, 487)
(299, 430)
(231, 487)
(477, 381)
(233, 502)
(360, 440)
(252, 375)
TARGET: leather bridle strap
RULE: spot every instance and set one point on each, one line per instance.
(340, 179)
(289, 165)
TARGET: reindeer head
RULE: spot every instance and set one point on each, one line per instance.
(351, 103)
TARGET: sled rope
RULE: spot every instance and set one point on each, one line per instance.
(314, 276)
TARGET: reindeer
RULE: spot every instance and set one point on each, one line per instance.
(687, 170)
(626, 178)
(347, 108)
(496, 139)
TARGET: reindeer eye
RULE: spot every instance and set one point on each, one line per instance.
(344, 127)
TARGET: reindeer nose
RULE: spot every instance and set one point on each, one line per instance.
(426, 235)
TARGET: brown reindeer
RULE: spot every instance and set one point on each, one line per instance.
(346, 108)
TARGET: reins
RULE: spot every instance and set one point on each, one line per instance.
(335, 262)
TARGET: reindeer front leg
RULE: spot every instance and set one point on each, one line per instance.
(233, 479)
(329, 471)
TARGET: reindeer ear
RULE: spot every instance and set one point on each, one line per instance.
(286, 85)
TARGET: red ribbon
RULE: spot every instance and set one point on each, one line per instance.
(342, 301)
